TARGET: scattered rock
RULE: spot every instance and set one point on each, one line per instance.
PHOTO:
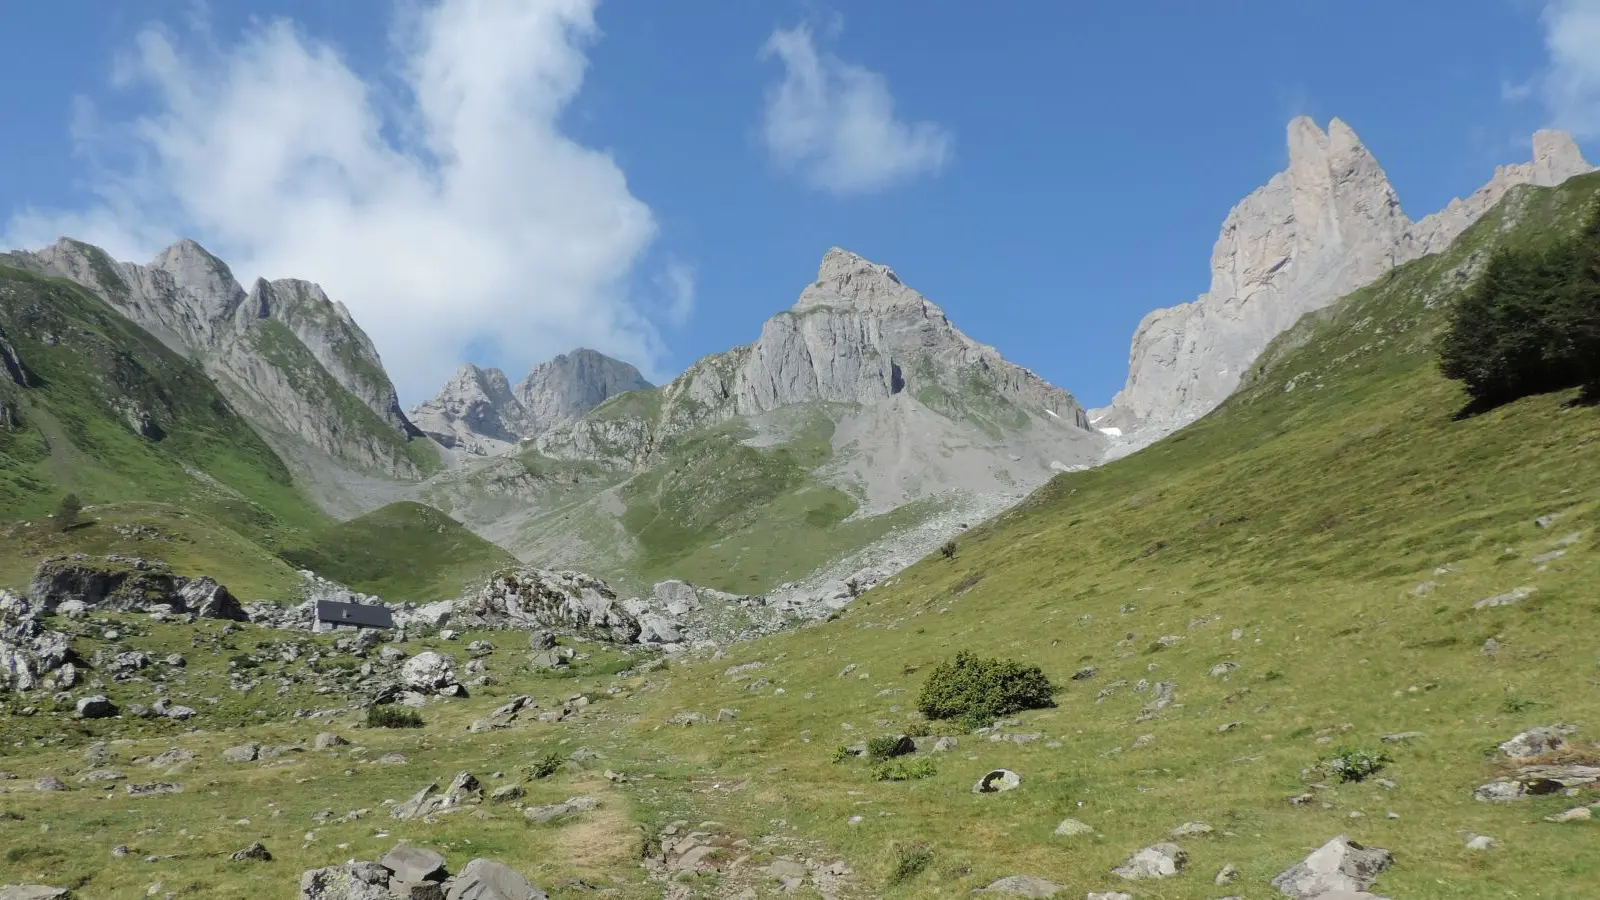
(352, 881)
(1576, 814)
(33, 892)
(1085, 673)
(1515, 595)
(1536, 742)
(1159, 861)
(1022, 886)
(150, 789)
(256, 852)
(506, 793)
(1534, 781)
(1226, 875)
(542, 814)
(1402, 737)
(411, 864)
(1072, 828)
(428, 671)
(96, 707)
(483, 879)
(1479, 842)
(997, 782)
(1339, 865)
(327, 740)
(49, 783)
(241, 754)
(1190, 829)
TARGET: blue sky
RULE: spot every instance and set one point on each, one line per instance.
(501, 181)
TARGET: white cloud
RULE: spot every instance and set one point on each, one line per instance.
(446, 208)
(1570, 84)
(834, 122)
(677, 284)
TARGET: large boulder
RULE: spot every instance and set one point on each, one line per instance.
(1339, 865)
(1536, 742)
(1159, 861)
(352, 881)
(428, 671)
(33, 892)
(410, 864)
(1022, 886)
(539, 598)
(483, 879)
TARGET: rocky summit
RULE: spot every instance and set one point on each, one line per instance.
(480, 412)
(1325, 226)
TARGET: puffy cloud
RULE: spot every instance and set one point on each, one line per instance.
(1570, 84)
(446, 209)
(834, 122)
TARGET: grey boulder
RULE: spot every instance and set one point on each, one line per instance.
(483, 879)
(1339, 865)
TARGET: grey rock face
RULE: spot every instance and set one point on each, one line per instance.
(1327, 225)
(1023, 886)
(479, 411)
(483, 879)
(1339, 865)
(540, 599)
(283, 353)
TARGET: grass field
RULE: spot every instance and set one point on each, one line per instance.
(401, 552)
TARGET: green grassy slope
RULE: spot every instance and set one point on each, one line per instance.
(403, 551)
(716, 511)
(1328, 531)
(93, 375)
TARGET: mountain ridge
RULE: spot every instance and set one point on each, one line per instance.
(1326, 225)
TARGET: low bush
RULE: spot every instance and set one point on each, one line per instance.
(1353, 764)
(904, 769)
(887, 747)
(976, 691)
(392, 717)
(546, 765)
(909, 861)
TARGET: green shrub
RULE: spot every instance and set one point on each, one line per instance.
(68, 512)
(948, 550)
(976, 691)
(909, 862)
(919, 729)
(546, 765)
(1531, 322)
(887, 747)
(1352, 764)
(842, 753)
(392, 717)
(904, 769)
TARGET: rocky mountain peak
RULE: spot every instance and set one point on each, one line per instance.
(1556, 158)
(844, 277)
(479, 411)
(1326, 225)
(206, 280)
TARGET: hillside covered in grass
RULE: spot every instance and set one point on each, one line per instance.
(1299, 574)
(401, 552)
(97, 406)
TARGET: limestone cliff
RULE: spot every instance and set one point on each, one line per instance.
(1325, 226)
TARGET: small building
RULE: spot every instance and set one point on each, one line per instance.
(334, 613)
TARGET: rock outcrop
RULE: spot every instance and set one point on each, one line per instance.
(127, 584)
(286, 356)
(480, 412)
(1325, 226)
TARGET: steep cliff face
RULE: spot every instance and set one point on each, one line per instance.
(293, 361)
(1327, 225)
(480, 412)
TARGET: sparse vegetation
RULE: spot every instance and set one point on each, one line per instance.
(886, 746)
(1353, 764)
(389, 716)
(904, 769)
(547, 764)
(948, 550)
(976, 691)
(909, 861)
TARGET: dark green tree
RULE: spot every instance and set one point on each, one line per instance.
(68, 512)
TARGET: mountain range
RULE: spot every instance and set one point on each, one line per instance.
(859, 429)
